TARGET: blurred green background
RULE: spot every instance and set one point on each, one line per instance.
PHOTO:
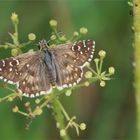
(109, 112)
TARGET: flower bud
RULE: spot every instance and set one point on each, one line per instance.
(83, 30)
(82, 126)
(15, 109)
(31, 36)
(86, 83)
(14, 18)
(111, 70)
(102, 83)
(38, 111)
(96, 60)
(75, 34)
(10, 99)
(62, 132)
(68, 92)
(53, 23)
(53, 37)
(88, 74)
(102, 53)
(37, 101)
(14, 52)
(27, 104)
(63, 38)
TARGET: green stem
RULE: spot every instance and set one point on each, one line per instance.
(6, 97)
(58, 109)
(23, 113)
(16, 31)
(136, 10)
(63, 110)
(100, 66)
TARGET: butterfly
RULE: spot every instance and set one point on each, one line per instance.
(36, 73)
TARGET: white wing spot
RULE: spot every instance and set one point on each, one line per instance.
(89, 59)
(32, 95)
(0, 69)
(10, 82)
(91, 55)
(27, 65)
(1, 77)
(84, 44)
(10, 69)
(23, 82)
(5, 80)
(3, 63)
(81, 52)
(42, 92)
(79, 47)
(10, 63)
(70, 85)
(37, 94)
(65, 55)
(72, 48)
(17, 62)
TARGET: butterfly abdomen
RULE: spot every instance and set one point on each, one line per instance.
(48, 58)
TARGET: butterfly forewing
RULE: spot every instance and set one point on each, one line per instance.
(28, 71)
(78, 53)
(70, 59)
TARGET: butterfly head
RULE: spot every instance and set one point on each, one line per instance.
(43, 44)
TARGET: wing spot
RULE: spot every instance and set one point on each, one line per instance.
(27, 65)
(37, 94)
(10, 69)
(10, 82)
(91, 55)
(76, 69)
(81, 52)
(79, 47)
(65, 55)
(89, 59)
(3, 63)
(10, 63)
(74, 83)
(17, 61)
(70, 85)
(72, 48)
(1, 77)
(23, 82)
(32, 95)
(0, 69)
(16, 73)
(5, 80)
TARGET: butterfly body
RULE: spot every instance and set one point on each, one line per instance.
(35, 73)
(51, 67)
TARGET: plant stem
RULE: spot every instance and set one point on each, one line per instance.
(136, 10)
(59, 117)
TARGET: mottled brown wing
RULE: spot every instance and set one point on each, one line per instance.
(28, 71)
(70, 59)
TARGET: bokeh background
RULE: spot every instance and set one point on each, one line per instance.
(109, 112)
